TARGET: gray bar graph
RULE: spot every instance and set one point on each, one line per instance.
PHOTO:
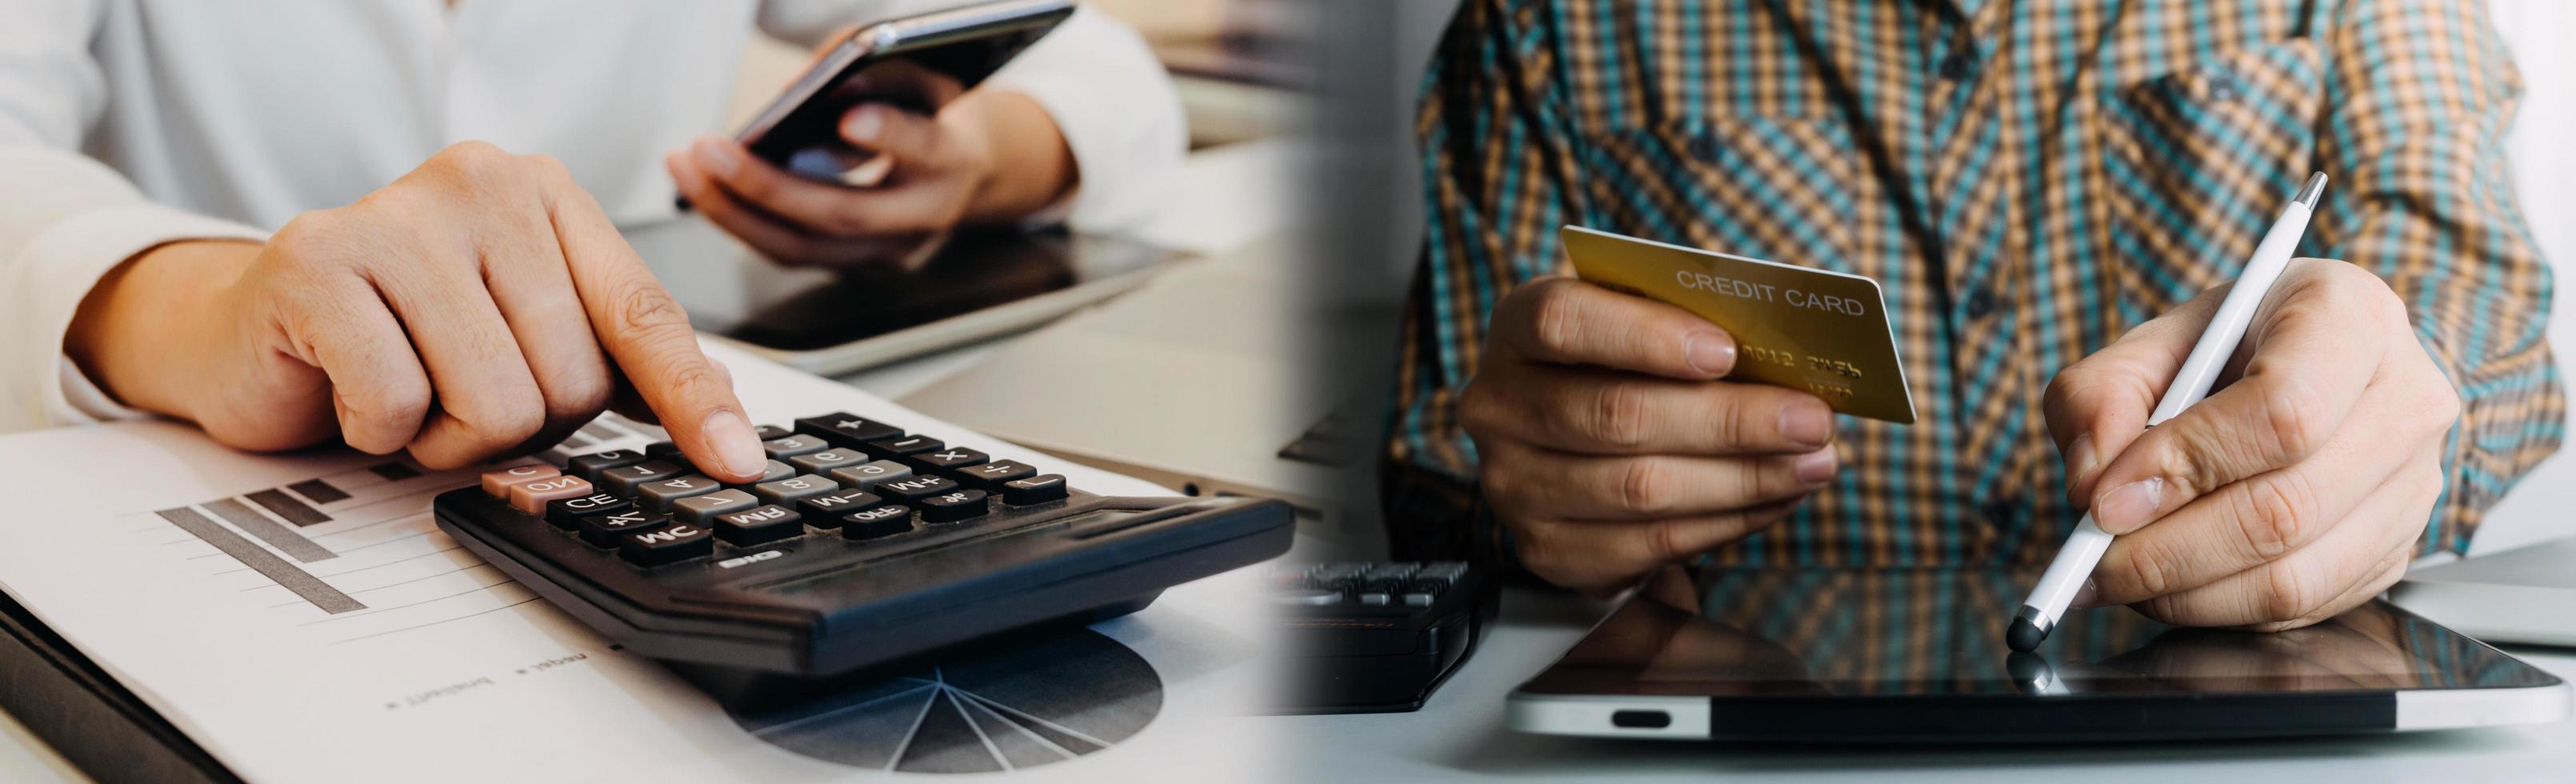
(320, 491)
(303, 583)
(287, 507)
(285, 540)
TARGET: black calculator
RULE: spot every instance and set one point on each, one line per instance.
(862, 545)
(1375, 637)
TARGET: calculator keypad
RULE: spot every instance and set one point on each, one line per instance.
(836, 473)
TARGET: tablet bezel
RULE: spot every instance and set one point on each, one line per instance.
(1830, 718)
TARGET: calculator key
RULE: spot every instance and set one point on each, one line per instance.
(562, 511)
(696, 509)
(950, 457)
(827, 460)
(866, 475)
(771, 432)
(758, 525)
(846, 430)
(1418, 599)
(900, 446)
(1309, 597)
(658, 494)
(824, 511)
(1393, 571)
(1034, 490)
(676, 543)
(603, 530)
(1373, 599)
(791, 446)
(769, 472)
(497, 483)
(886, 520)
(792, 489)
(996, 473)
(588, 466)
(911, 490)
(1339, 570)
(952, 507)
(531, 496)
(623, 480)
(664, 450)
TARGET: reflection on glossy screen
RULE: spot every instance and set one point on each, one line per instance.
(1939, 632)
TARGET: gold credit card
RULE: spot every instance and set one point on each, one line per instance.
(1821, 332)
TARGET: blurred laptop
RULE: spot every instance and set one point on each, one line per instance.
(2523, 595)
(1201, 380)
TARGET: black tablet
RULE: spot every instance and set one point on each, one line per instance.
(983, 283)
(1843, 656)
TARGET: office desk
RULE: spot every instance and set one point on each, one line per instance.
(1460, 735)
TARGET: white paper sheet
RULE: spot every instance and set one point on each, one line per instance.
(453, 672)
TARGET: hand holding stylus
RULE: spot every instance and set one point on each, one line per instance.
(2293, 493)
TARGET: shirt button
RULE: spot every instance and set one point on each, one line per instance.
(2223, 88)
(1980, 304)
(1959, 65)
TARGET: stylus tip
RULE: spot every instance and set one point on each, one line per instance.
(2024, 635)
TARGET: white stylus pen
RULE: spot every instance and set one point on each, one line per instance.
(2057, 586)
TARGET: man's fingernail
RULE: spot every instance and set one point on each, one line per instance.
(735, 445)
(862, 124)
(2087, 597)
(2128, 506)
(2080, 459)
(1806, 423)
(712, 155)
(1815, 468)
(1712, 353)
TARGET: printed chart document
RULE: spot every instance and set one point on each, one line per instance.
(302, 618)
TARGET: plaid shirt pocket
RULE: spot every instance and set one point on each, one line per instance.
(1771, 188)
(2196, 159)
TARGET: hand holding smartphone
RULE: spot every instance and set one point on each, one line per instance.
(917, 63)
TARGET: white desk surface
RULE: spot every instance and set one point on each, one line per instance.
(1460, 735)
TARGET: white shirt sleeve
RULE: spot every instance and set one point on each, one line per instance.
(1095, 77)
(65, 219)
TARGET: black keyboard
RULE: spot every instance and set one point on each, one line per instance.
(1375, 637)
(862, 544)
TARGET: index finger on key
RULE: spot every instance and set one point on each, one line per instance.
(648, 335)
(2303, 378)
(1566, 321)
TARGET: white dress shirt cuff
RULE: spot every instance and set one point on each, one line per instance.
(1118, 113)
(60, 266)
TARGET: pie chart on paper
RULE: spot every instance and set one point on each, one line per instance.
(1032, 705)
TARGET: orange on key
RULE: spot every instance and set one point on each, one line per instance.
(531, 496)
(497, 483)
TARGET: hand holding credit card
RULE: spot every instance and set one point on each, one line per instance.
(1820, 332)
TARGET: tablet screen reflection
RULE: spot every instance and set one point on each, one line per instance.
(1920, 632)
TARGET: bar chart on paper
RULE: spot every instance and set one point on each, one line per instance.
(352, 555)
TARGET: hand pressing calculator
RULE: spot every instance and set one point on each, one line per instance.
(862, 544)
